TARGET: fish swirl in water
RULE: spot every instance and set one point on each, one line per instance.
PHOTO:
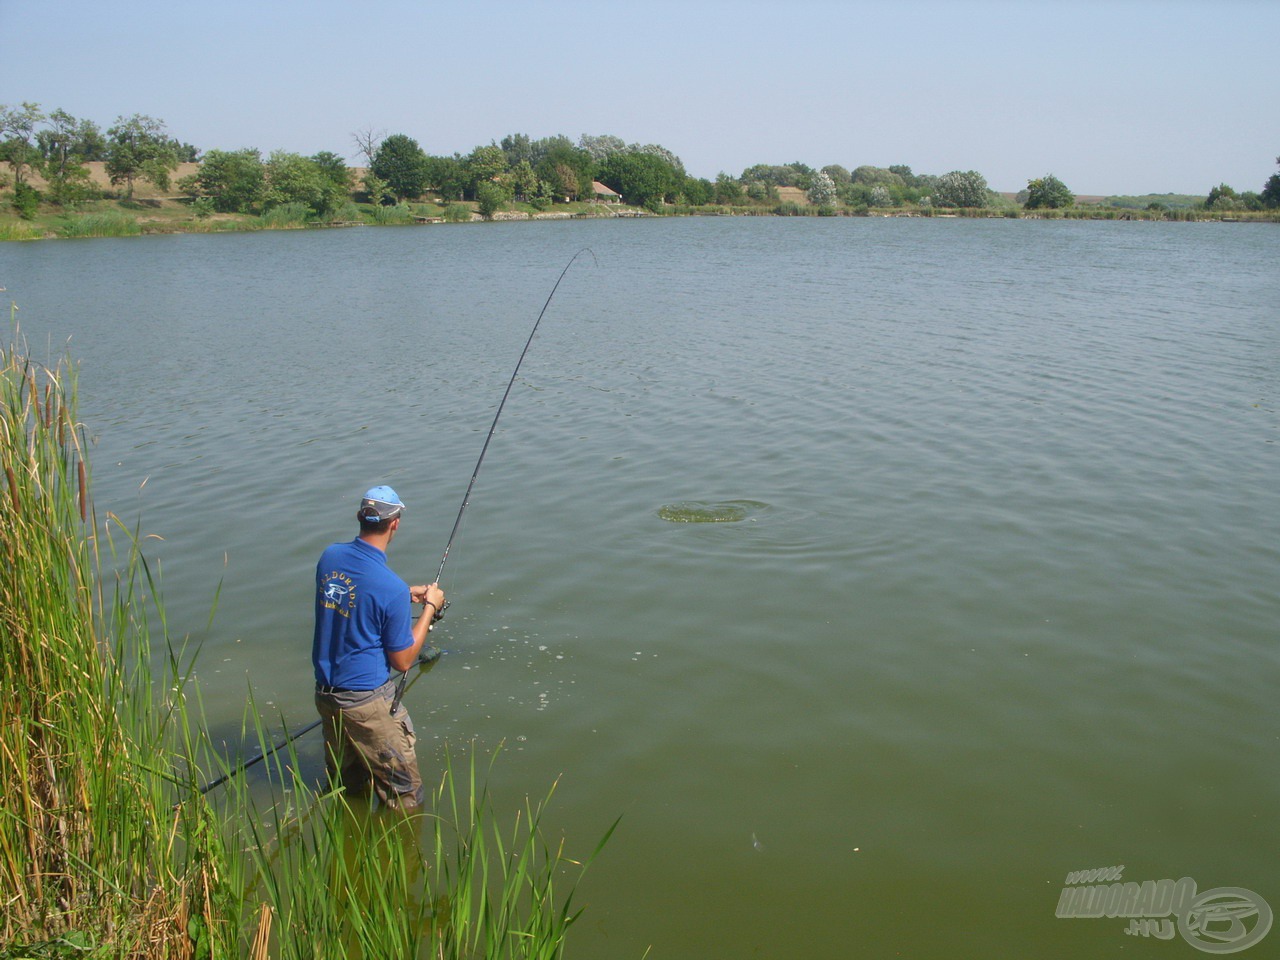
(692, 511)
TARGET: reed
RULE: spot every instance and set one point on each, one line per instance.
(19, 230)
(457, 213)
(342, 880)
(390, 215)
(286, 216)
(99, 225)
(88, 843)
(100, 734)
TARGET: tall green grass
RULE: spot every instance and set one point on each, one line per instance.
(109, 847)
(457, 213)
(88, 842)
(448, 883)
(394, 214)
(286, 216)
(19, 230)
(99, 225)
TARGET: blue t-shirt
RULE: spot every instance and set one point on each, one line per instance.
(362, 614)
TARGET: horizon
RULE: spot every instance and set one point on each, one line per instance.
(1131, 97)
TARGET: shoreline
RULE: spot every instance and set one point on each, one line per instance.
(153, 211)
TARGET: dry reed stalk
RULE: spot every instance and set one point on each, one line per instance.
(262, 938)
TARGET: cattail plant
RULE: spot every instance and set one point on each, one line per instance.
(109, 846)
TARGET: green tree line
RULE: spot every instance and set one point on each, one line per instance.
(538, 172)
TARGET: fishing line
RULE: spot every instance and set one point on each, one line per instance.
(466, 497)
(427, 659)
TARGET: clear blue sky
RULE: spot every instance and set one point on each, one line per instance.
(1125, 96)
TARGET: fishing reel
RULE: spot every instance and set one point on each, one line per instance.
(439, 614)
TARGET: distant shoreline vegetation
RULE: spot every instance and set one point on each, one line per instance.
(63, 177)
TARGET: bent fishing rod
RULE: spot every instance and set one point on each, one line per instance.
(430, 656)
(466, 497)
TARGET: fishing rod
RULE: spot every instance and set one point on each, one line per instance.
(466, 497)
(426, 657)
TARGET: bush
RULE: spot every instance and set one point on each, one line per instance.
(399, 213)
(26, 200)
(202, 207)
(491, 198)
(347, 212)
(457, 213)
(286, 215)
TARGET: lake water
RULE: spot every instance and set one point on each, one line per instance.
(1001, 604)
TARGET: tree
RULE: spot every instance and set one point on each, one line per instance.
(697, 191)
(658, 150)
(837, 173)
(72, 140)
(1049, 193)
(375, 188)
(483, 165)
(56, 142)
(491, 197)
(545, 148)
(64, 168)
(447, 176)
(517, 148)
(568, 169)
(605, 145)
(402, 164)
(543, 196)
(856, 195)
(138, 148)
(185, 152)
(1270, 195)
(727, 191)
(642, 179)
(1221, 197)
(564, 181)
(904, 171)
(966, 188)
(789, 175)
(338, 179)
(234, 180)
(293, 178)
(367, 140)
(524, 182)
(17, 138)
(873, 175)
(822, 191)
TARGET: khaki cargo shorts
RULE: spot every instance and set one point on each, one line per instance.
(365, 745)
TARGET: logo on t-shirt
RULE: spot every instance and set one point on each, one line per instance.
(339, 593)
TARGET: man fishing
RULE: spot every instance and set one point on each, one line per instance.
(364, 628)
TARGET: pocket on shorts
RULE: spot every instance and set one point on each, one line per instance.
(406, 724)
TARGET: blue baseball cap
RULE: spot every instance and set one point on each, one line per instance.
(379, 504)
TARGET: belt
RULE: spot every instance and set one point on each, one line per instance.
(325, 688)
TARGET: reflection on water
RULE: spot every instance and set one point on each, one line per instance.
(1013, 560)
